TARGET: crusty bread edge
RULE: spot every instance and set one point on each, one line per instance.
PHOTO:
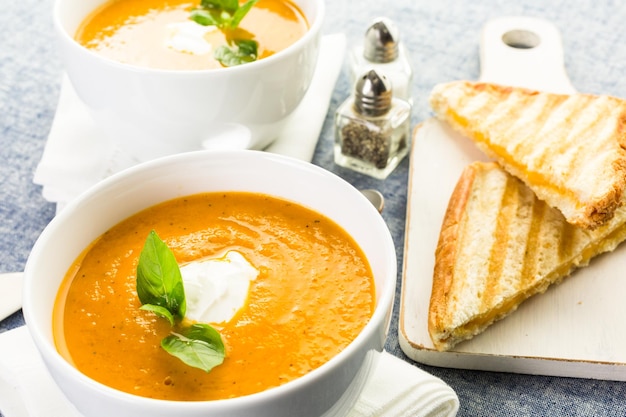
(446, 253)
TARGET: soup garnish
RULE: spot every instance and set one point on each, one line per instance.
(160, 289)
(226, 15)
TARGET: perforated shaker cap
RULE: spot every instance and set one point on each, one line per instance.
(372, 94)
(381, 41)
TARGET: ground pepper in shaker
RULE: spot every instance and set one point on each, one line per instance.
(382, 51)
(372, 128)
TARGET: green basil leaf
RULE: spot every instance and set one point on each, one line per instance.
(204, 18)
(240, 13)
(159, 281)
(159, 311)
(225, 14)
(199, 346)
(160, 290)
(247, 48)
(245, 51)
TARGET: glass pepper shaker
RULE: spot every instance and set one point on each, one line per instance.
(372, 128)
(382, 50)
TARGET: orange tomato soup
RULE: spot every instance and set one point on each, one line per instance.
(135, 31)
(313, 295)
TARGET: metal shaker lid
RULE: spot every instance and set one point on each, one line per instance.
(372, 94)
(381, 41)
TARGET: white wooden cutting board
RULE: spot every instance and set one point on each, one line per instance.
(575, 329)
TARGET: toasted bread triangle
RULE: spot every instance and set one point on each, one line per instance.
(569, 149)
(500, 245)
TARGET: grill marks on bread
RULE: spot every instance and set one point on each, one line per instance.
(569, 149)
(499, 245)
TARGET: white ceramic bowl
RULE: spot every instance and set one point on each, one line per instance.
(326, 388)
(152, 112)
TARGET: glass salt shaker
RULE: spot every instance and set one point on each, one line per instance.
(382, 50)
(372, 128)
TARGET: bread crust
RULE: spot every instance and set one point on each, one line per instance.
(445, 256)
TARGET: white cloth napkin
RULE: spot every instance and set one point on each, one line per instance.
(393, 388)
(26, 387)
(78, 155)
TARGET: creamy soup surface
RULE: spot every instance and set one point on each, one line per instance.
(314, 293)
(137, 32)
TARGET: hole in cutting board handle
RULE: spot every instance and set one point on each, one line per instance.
(521, 39)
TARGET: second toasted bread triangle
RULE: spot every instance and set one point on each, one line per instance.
(569, 149)
(499, 245)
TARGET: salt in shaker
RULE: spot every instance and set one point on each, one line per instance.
(372, 128)
(382, 50)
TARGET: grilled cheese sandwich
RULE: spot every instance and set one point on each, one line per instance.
(500, 245)
(569, 149)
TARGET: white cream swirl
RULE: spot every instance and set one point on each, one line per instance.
(216, 288)
(188, 37)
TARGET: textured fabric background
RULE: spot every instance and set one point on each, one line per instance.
(442, 38)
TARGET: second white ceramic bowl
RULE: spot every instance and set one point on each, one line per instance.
(152, 113)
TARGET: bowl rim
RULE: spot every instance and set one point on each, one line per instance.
(380, 317)
(309, 36)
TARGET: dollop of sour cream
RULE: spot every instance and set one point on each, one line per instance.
(188, 37)
(216, 288)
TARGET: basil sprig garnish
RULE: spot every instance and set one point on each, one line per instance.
(226, 15)
(160, 289)
(244, 50)
(159, 282)
(199, 346)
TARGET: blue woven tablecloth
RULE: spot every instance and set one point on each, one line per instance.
(442, 38)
